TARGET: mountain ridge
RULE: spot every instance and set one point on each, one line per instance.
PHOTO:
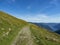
(11, 26)
(49, 26)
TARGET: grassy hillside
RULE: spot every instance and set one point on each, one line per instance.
(9, 28)
(15, 31)
(44, 37)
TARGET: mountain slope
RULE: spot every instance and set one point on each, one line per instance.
(49, 26)
(54, 27)
(25, 37)
(15, 31)
(44, 25)
(58, 28)
(58, 31)
(44, 37)
(9, 27)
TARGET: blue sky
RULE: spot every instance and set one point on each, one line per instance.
(33, 10)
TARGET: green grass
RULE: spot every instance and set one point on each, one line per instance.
(10, 27)
(44, 36)
(7, 23)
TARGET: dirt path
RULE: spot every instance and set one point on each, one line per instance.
(24, 37)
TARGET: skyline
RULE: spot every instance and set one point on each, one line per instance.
(33, 10)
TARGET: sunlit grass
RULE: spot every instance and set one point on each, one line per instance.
(44, 37)
(9, 28)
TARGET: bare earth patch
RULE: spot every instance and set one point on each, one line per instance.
(24, 37)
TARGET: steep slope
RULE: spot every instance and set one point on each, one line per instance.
(9, 28)
(44, 37)
(15, 31)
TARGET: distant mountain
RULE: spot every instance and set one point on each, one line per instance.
(49, 26)
(58, 31)
(44, 25)
(14, 31)
(54, 27)
(58, 28)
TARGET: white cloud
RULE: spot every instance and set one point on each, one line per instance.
(42, 18)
